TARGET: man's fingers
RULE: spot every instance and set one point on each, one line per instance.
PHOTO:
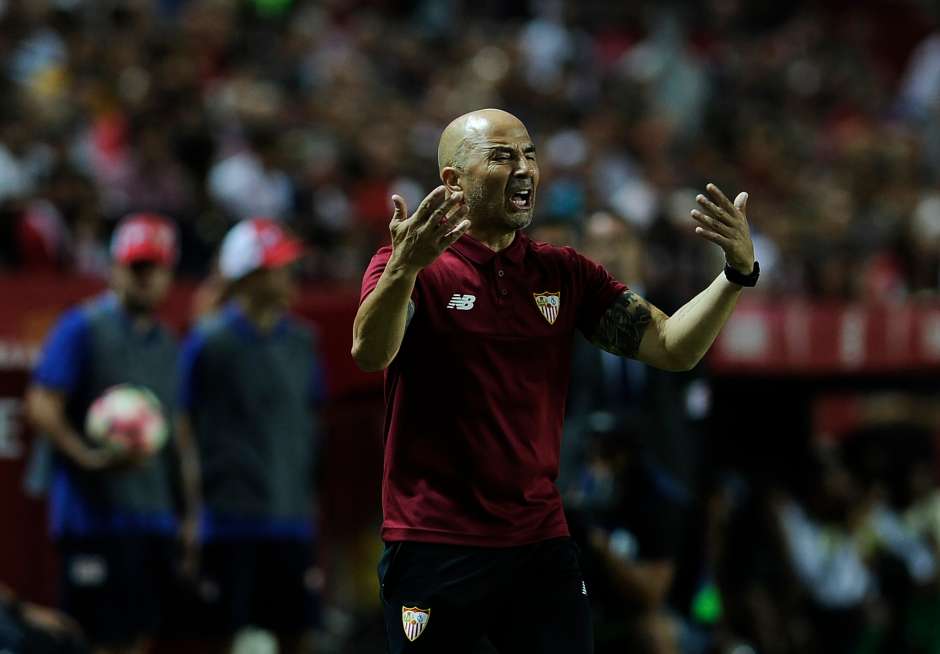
(430, 203)
(401, 208)
(740, 203)
(715, 211)
(438, 218)
(455, 213)
(713, 237)
(711, 224)
(454, 235)
(720, 198)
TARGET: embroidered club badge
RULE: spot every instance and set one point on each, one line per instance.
(549, 305)
(414, 621)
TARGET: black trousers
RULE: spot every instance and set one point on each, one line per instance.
(445, 598)
(116, 586)
(261, 582)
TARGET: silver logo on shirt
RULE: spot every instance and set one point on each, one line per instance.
(461, 302)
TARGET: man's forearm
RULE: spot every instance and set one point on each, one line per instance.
(381, 320)
(189, 466)
(46, 411)
(645, 584)
(691, 330)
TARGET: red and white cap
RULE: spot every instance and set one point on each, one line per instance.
(145, 237)
(255, 244)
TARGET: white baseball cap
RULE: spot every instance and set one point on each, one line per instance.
(255, 244)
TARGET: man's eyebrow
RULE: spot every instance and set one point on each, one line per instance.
(500, 149)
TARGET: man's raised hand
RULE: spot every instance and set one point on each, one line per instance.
(437, 223)
(725, 224)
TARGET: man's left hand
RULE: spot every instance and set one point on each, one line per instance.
(725, 224)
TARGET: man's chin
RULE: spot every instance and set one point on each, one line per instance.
(140, 307)
(519, 219)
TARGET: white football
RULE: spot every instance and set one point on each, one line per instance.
(128, 418)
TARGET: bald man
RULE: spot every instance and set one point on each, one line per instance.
(473, 324)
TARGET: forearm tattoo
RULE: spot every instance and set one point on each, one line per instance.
(621, 329)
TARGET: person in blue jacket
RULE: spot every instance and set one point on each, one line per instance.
(113, 515)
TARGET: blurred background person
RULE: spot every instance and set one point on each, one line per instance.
(27, 627)
(628, 513)
(112, 512)
(252, 384)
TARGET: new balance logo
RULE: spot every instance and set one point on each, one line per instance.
(461, 302)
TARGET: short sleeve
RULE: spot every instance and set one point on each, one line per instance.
(64, 353)
(599, 289)
(189, 365)
(374, 270)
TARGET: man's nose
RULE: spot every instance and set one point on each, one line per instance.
(523, 168)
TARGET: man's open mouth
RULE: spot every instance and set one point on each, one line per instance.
(521, 200)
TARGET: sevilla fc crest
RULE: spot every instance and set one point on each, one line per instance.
(549, 305)
(414, 621)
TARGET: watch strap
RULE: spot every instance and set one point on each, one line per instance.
(737, 277)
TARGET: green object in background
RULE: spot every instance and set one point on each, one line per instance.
(706, 605)
(272, 8)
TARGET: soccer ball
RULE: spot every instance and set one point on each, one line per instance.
(128, 418)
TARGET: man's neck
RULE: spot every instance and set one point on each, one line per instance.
(494, 240)
(140, 319)
(262, 316)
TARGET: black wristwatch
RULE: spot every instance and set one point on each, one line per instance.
(736, 277)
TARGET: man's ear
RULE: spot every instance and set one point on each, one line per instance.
(450, 176)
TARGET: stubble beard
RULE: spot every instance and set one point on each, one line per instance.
(484, 211)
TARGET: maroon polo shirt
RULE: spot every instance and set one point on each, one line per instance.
(475, 398)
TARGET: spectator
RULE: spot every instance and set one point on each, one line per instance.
(249, 182)
(628, 512)
(251, 383)
(34, 629)
(112, 512)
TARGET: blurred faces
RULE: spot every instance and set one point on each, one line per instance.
(610, 241)
(141, 287)
(269, 288)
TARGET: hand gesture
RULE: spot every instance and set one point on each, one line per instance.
(189, 539)
(104, 458)
(436, 225)
(50, 621)
(725, 224)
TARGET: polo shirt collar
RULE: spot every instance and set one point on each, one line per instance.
(479, 253)
(109, 300)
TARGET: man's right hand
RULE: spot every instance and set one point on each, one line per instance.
(100, 459)
(436, 225)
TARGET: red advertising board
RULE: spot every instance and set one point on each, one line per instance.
(797, 337)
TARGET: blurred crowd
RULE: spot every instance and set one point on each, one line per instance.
(838, 554)
(314, 112)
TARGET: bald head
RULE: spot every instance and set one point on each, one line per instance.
(471, 130)
(489, 156)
